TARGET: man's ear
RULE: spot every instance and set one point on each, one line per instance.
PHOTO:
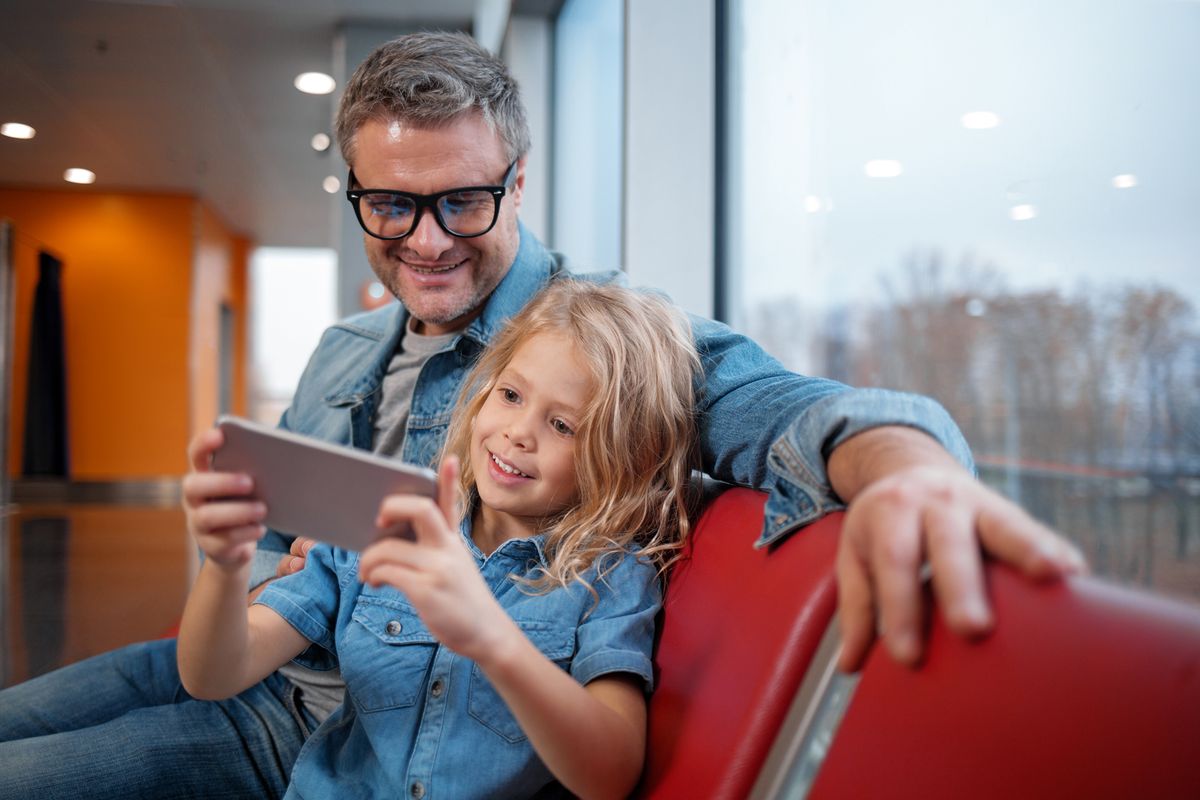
(518, 190)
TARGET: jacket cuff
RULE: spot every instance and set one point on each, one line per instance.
(799, 488)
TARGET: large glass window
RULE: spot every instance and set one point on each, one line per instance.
(995, 204)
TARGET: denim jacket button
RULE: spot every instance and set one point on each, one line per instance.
(437, 687)
(394, 627)
(417, 790)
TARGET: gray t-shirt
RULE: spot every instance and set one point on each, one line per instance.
(323, 691)
(399, 383)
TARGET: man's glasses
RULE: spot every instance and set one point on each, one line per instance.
(465, 212)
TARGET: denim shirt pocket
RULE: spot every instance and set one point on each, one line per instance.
(390, 650)
(484, 704)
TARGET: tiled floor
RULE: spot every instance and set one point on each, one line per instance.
(82, 579)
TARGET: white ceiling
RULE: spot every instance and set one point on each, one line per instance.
(190, 96)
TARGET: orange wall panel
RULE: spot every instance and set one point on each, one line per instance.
(127, 273)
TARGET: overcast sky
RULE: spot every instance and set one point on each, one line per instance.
(1084, 90)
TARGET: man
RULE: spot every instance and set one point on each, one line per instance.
(435, 135)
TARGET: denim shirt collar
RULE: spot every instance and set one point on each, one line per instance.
(530, 547)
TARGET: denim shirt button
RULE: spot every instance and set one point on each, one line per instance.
(437, 687)
(417, 790)
(393, 628)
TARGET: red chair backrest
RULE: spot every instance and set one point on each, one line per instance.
(1082, 690)
(739, 628)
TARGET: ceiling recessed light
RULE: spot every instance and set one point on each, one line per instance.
(883, 168)
(17, 130)
(812, 204)
(1022, 212)
(1125, 181)
(78, 175)
(980, 120)
(331, 184)
(315, 83)
(320, 142)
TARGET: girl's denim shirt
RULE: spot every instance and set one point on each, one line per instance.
(421, 721)
(760, 425)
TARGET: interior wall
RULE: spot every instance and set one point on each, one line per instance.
(128, 307)
(219, 279)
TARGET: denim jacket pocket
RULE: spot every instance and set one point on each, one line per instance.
(392, 650)
(484, 704)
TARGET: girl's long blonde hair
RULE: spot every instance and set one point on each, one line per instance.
(636, 444)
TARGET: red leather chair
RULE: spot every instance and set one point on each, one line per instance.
(739, 628)
(1083, 690)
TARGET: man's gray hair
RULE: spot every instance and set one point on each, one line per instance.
(430, 79)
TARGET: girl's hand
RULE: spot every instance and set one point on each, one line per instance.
(437, 572)
(221, 515)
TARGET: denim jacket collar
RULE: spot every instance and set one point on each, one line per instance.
(386, 330)
(530, 271)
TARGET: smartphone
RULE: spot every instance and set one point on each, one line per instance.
(311, 488)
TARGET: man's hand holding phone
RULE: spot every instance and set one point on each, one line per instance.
(294, 560)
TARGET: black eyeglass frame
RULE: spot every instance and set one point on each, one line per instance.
(430, 201)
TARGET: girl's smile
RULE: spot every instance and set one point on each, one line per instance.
(505, 469)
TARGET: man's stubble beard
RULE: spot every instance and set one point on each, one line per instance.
(390, 270)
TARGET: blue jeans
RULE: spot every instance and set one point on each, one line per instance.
(121, 725)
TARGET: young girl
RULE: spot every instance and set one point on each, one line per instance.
(509, 645)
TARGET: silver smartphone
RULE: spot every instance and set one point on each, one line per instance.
(312, 488)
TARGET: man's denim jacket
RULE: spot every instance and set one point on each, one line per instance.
(760, 425)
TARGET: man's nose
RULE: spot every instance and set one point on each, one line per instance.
(428, 240)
